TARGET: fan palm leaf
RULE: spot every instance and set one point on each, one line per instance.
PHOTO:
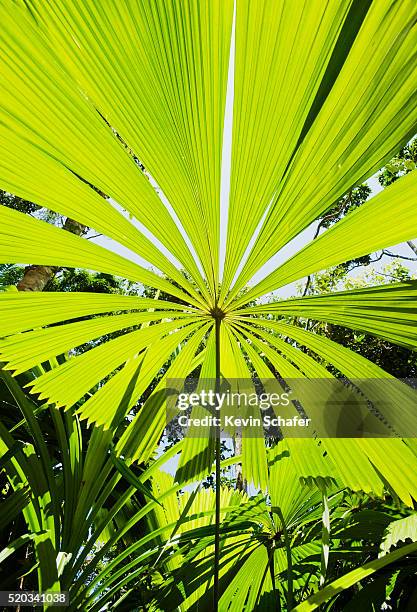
(130, 98)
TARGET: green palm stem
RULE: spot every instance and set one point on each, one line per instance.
(325, 537)
(287, 543)
(218, 315)
(271, 567)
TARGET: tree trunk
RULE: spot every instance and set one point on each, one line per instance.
(74, 227)
(35, 278)
(412, 246)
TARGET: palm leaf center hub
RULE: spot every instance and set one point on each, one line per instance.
(217, 313)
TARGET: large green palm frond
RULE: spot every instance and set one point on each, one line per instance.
(130, 97)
